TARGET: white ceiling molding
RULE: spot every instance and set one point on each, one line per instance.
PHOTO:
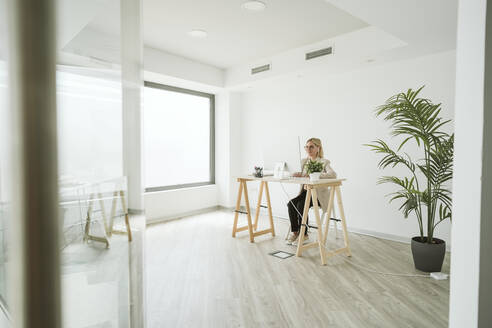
(405, 29)
(91, 48)
(350, 50)
(235, 36)
(92, 43)
(100, 48)
(182, 68)
(360, 31)
(167, 79)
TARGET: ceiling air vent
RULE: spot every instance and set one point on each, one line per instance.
(260, 69)
(319, 53)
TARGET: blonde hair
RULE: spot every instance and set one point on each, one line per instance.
(317, 143)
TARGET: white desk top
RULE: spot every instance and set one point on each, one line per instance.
(304, 181)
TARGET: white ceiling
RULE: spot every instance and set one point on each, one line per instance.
(90, 28)
(235, 35)
(361, 31)
(428, 25)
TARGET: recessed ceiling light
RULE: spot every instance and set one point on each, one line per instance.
(254, 5)
(198, 33)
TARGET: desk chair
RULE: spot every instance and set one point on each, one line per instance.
(324, 215)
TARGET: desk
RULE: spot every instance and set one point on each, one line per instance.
(311, 187)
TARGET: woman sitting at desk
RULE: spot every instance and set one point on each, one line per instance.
(314, 150)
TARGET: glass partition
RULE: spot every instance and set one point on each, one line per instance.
(94, 243)
(5, 158)
(89, 125)
(95, 254)
(95, 237)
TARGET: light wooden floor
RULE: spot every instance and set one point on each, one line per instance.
(199, 276)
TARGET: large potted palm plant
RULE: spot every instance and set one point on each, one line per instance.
(425, 192)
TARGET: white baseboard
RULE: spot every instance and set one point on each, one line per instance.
(382, 235)
(183, 215)
(135, 211)
(372, 233)
(377, 234)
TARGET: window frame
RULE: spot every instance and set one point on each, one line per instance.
(211, 98)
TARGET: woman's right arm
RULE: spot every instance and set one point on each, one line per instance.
(328, 172)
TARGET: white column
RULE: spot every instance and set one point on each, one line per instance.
(131, 71)
(235, 108)
(222, 153)
(227, 146)
(485, 283)
(471, 260)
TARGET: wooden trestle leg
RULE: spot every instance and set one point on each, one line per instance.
(252, 228)
(322, 235)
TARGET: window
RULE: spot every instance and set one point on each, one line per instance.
(178, 137)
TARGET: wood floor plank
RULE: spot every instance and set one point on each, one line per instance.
(199, 276)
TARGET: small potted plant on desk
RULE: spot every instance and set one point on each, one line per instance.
(426, 191)
(258, 172)
(314, 168)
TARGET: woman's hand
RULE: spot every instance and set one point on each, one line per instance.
(298, 175)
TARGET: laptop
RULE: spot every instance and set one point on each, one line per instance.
(282, 157)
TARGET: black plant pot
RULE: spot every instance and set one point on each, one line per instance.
(428, 257)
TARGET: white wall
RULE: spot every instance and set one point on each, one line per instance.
(165, 63)
(339, 110)
(174, 203)
(170, 204)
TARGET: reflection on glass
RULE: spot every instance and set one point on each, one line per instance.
(176, 138)
(89, 126)
(94, 244)
(5, 174)
(95, 261)
(95, 274)
(5, 158)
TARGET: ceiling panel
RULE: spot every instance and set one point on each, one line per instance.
(235, 35)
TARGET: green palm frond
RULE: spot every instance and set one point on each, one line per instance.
(443, 195)
(409, 194)
(415, 118)
(390, 158)
(444, 213)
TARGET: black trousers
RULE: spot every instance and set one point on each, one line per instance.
(294, 216)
